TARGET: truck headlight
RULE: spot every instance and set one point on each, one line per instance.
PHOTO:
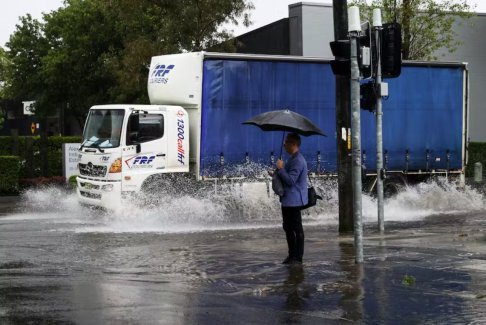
(116, 166)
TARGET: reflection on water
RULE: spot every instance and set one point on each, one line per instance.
(352, 294)
(295, 299)
(296, 295)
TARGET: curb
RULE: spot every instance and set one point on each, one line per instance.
(8, 199)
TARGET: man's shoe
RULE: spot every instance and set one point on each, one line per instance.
(288, 260)
(296, 261)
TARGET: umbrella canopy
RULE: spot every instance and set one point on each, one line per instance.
(285, 120)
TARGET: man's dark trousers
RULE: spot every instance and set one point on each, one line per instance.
(292, 225)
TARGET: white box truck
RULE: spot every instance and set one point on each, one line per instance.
(199, 100)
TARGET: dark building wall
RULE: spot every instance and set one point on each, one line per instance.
(269, 39)
(307, 32)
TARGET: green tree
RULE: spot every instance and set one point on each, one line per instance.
(198, 24)
(26, 48)
(97, 51)
(75, 69)
(427, 25)
(4, 65)
(155, 27)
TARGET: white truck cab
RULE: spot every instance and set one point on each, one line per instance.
(125, 144)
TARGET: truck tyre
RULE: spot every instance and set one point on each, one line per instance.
(169, 185)
(393, 185)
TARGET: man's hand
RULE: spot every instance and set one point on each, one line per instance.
(280, 164)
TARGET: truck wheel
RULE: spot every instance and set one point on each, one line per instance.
(394, 185)
(169, 184)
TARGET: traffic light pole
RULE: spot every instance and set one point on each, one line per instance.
(356, 147)
(343, 125)
(354, 30)
(379, 125)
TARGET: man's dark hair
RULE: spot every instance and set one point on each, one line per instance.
(295, 138)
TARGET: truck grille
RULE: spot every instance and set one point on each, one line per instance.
(90, 195)
(92, 170)
(89, 186)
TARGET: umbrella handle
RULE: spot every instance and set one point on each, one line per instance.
(281, 146)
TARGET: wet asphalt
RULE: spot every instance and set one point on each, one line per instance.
(431, 271)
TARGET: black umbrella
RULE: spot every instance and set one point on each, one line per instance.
(285, 120)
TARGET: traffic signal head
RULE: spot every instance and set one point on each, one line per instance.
(368, 96)
(391, 50)
(342, 65)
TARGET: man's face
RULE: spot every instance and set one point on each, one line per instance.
(290, 146)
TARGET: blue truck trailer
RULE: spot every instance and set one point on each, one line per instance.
(424, 121)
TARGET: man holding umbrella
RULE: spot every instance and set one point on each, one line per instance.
(293, 174)
(294, 179)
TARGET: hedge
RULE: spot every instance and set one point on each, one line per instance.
(30, 154)
(9, 174)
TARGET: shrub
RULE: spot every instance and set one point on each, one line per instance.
(30, 155)
(9, 174)
(72, 181)
(6, 145)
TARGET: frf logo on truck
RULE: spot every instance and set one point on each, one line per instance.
(159, 75)
(140, 162)
(180, 137)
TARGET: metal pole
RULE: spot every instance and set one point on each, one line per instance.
(379, 136)
(356, 146)
(44, 145)
(343, 125)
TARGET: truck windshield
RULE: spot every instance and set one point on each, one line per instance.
(103, 128)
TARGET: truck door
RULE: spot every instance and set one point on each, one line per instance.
(146, 148)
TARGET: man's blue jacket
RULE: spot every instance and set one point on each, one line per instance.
(294, 180)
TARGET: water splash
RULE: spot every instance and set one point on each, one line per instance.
(50, 202)
(240, 206)
(425, 199)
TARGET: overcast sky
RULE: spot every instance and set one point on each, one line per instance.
(265, 12)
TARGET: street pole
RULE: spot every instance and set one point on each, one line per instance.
(354, 28)
(379, 122)
(343, 126)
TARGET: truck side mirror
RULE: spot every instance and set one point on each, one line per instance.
(138, 147)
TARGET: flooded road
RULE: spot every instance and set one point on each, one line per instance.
(216, 260)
